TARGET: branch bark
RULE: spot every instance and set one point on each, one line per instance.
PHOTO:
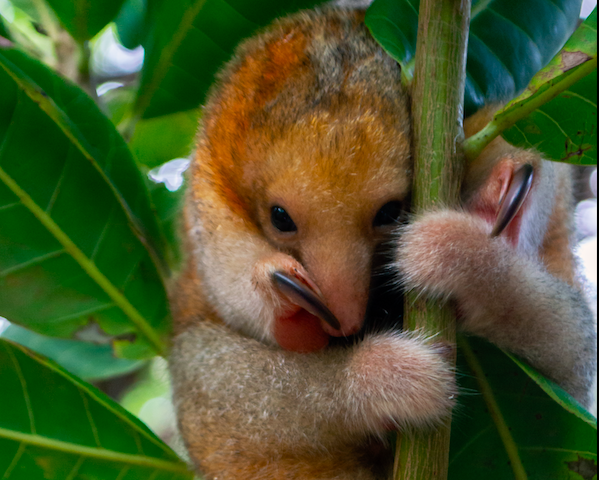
(437, 108)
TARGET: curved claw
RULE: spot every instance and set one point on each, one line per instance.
(514, 198)
(302, 295)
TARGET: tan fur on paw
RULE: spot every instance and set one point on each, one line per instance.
(442, 251)
(399, 379)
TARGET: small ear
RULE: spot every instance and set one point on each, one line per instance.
(502, 199)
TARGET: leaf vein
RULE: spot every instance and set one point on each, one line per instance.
(97, 309)
(86, 264)
(579, 97)
(133, 423)
(541, 112)
(59, 182)
(470, 442)
(503, 430)
(15, 461)
(75, 468)
(25, 391)
(123, 472)
(413, 7)
(92, 424)
(160, 69)
(102, 234)
(31, 263)
(70, 448)
(559, 450)
(8, 206)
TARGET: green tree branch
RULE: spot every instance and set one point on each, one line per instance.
(437, 107)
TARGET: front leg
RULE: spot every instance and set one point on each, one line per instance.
(508, 298)
(288, 411)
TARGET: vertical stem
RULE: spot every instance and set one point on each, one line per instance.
(437, 108)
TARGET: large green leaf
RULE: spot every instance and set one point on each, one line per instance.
(510, 40)
(75, 213)
(55, 427)
(83, 19)
(564, 126)
(564, 129)
(189, 40)
(86, 360)
(130, 23)
(509, 425)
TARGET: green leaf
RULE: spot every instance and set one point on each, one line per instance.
(507, 426)
(83, 19)
(57, 427)
(188, 42)
(556, 393)
(168, 209)
(4, 30)
(564, 129)
(563, 101)
(509, 41)
(130, 23)
(28, 7)
(75, 215)
(158, 140)
(83, 359)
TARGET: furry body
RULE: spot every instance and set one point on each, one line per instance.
(311, 116)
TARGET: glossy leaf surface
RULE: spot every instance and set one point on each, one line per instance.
(549, 439)
(130, 23)
(56, 427)
(510, 40)
(83, 19)
(73, 206)
(86, 360)
(563, 127)
(189, 40)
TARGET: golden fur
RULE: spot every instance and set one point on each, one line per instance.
(311, 116)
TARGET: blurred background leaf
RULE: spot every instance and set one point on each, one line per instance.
(130, 23)
(83, 19)
(29, 7)
(4, 30)
(158, 140)
(168, 204)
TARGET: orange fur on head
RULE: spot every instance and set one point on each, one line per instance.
(299, 123)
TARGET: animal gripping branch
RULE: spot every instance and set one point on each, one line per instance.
(437, 107)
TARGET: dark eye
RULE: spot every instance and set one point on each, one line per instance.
(389, 214)
(281, 220)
